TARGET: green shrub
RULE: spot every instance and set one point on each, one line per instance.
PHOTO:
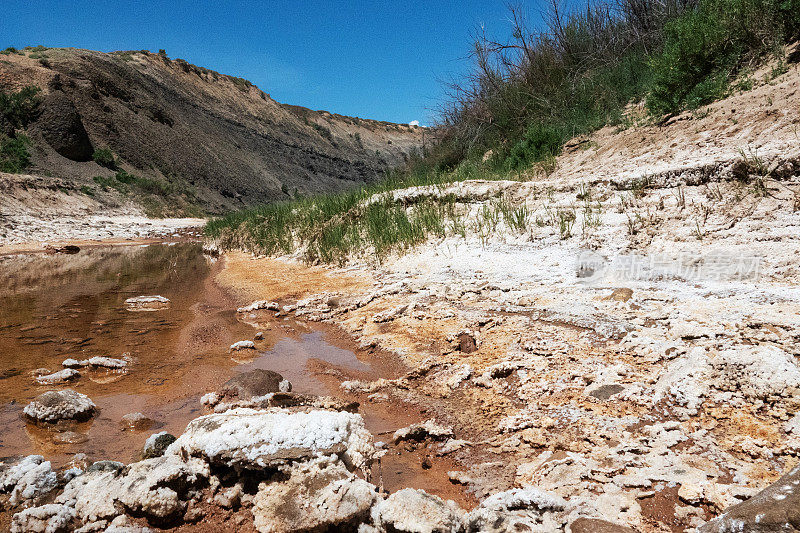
(705, 46)
(22, 107)
(540, 141)
(105, 158)
(14, 154)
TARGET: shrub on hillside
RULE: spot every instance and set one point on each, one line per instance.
(581, 71)
(105, 158)
(20, 108)
(540, 142)
(14, 154)
(705, 46)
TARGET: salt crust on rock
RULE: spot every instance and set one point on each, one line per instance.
(257, 438)
(319, 495)
(50, 518)
(147, 303)
(416, 511)
(53, 406)
(755, 372)
(26, 479)
(61, 376)
(153, 487)
(528, 509)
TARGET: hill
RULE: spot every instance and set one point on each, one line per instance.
(187, 139)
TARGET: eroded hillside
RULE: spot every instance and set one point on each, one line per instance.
(212, 141)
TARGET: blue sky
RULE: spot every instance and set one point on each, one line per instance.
(382, 60)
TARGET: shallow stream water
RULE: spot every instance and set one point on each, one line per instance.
(54, 307)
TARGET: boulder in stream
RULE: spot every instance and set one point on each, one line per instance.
(254, 439)
(52, 406)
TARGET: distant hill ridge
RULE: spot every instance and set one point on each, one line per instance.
(216, 141)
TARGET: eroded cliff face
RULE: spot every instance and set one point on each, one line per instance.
(218, 141)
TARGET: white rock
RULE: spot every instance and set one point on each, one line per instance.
(320, 495)
(260, 304)
(257, 438)
(154, 487)
(50, 518)
(758, 372)
(428, 429)
(529, 497)
(91, 495)
(106, 362)
(242, 345)
(61, 376)
(26, 479)
(416, 511)
(527, 509)
(147, 486)
(147, 303)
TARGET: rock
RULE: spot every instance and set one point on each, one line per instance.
(281, 399)
(105, 466)
(254, 439)
(528, 509)
(622, 294)
(106, 362)
(390, 314)
(50, 518)
(61, 126)
(453, 445)
(62, 376)
(229, 498)
(604, 392)
(416, 511)
(26, 479)
(91, 495)
(758, 372)
(69, 249)
(53, 406)
(147, 303)
(250, 384)
(776, 508)
(259, 336)
(428, 429)
(156, 444)
(320, 495)
(242, 345)
(466, 342)
(156, 488)
(69, 437)
(595, 525)
(136, 422)
(261, 304)
(122, 524)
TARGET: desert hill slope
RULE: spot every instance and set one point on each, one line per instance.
(217, 139)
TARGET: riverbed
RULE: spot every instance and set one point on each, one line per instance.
(59, 306)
